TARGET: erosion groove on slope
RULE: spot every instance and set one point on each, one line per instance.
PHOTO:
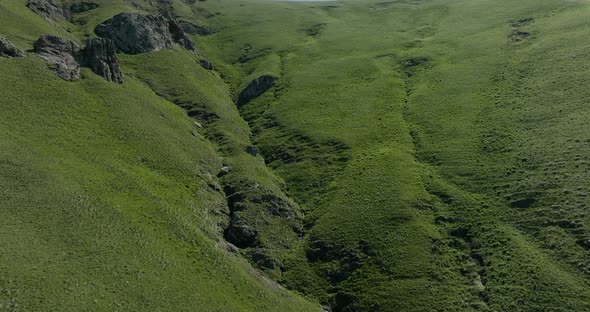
(261, 220)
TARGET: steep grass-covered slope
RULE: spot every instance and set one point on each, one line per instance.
(407, 156)
(439, 147)
(108, 193)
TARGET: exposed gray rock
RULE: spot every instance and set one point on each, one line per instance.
(60, 54)
(252, 150)
(50, 9)
(206, 65)
(241, 234)
(7, 49)
(80, 7)
(134, 33)
(255, 89)
(179, 36)
(100, 56)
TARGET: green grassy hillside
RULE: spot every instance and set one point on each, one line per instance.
(108, 192)
(414, 156)
(461, 182)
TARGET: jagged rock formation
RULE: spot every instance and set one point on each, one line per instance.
(65, 57)
(255, 89)
(134, 33)
(50, 9)
(60, 54)
(178, 34)
(100, 56)
(7, 49)
(80, 7)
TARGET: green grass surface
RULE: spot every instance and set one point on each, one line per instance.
(107, 204)
(439, 149)
(427, 214)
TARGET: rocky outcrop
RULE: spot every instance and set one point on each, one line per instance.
(255, 89)
(80, 7)
(206, 65)
(65, 57)
(50, 9)
(100, 56)
(135, 33)
(179, 36)
(7, 49)
(253, 209)
(60, 54)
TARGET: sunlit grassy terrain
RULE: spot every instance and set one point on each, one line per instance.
(439, 149)
(465, 122)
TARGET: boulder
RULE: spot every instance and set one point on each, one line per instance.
(100, 56)
(179, 36)
(7, 49)
(252, 150)
(256, 88)
(206, 65)
(50, 9)
(80, 7)
(135, 33)
(60, 54)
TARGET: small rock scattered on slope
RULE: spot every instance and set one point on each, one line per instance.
(7, 49)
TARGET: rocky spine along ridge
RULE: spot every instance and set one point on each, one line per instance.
(135, 33)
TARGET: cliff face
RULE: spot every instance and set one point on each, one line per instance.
(136, 33)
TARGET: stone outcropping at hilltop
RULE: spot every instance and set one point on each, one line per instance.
(65, 57)
(50, 9)
(53, 10)
(135, 33)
